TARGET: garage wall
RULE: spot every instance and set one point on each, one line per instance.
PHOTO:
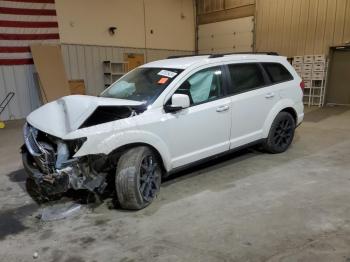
(18, 79)
(234, 35)
(83, 27)
(299, 27)
(85, 61)
(81, 62)
(87, 21)
(211, 11)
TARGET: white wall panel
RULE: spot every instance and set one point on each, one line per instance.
(235, 35)
(18, 79)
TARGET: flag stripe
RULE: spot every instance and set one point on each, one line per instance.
(22, 23)
(24, 55)
(33, 1)
(31, 18)
(28, 42)
(16, 30)
(25, 61)
(27, 11)
(26, 5)
(14, 49)
(27, 24)
(28, 36)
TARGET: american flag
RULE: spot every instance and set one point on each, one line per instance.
(22, 23)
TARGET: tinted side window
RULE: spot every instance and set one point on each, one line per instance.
(277, 72)
(246, 77)
(203, 86)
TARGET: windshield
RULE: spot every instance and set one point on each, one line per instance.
(142, 84)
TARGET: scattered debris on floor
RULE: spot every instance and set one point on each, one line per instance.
(60, 211)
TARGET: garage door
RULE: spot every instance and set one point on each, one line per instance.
(228, 36)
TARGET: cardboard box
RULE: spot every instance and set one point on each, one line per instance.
(318, 76)
(318, 67)
(308, 59)
(297, 60)
(307, 83)
(306, 75)
(77, 87)
(320, 58)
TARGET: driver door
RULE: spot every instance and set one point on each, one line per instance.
(203, 129)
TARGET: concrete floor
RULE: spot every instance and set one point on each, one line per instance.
(249, 206)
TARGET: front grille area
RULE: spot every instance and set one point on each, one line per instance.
(30, 135)
(43, 152)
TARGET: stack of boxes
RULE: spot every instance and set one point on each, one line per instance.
(312, 69)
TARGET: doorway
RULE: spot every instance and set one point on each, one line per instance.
(338, 87)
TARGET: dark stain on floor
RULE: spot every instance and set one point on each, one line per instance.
(86, 241)
(18, 176)
(74, 259)
(15, 217)
(46, 234)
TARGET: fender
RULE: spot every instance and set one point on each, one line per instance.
(94, 144)
(282, 104)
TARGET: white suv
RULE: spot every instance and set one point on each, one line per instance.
(159, 118)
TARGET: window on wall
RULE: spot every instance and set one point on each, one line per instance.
(246, 77)
(277, 72)
(203, 86)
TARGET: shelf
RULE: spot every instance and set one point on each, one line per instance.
(114, 73)
(115, 62)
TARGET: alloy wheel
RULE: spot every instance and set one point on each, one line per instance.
(283, 133)
(149, 178)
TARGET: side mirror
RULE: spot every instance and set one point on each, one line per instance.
(178, 102)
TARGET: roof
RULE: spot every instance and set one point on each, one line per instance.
(187, 61)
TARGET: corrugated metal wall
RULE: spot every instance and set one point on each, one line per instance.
(18, 79)
(210, 6)
(299, 27)
(211, 11)
(85, 62)
(81, 62)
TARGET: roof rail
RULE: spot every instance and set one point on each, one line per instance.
(221, 55)
(180, 56)
(244, 53)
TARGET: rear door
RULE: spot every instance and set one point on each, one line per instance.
(283, 80)
(252, 99)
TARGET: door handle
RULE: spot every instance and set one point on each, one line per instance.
(222, 108)
(270, 95)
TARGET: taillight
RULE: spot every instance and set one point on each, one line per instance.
(302, 85)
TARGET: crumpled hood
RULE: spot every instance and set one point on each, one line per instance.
(60, 117)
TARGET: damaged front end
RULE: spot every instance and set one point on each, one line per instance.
(49, 161)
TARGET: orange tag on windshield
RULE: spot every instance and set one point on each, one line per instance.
(163, 80)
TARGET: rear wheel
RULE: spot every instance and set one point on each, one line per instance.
(138, 178)
(281, 133)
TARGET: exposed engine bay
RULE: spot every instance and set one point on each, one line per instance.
(50, 163)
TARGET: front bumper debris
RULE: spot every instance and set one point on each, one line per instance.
(50, 184)
(49, 163)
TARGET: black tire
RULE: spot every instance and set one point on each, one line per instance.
(138, 178)
(281, 133)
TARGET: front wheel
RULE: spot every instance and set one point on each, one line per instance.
(138, 178)
(281, 133)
